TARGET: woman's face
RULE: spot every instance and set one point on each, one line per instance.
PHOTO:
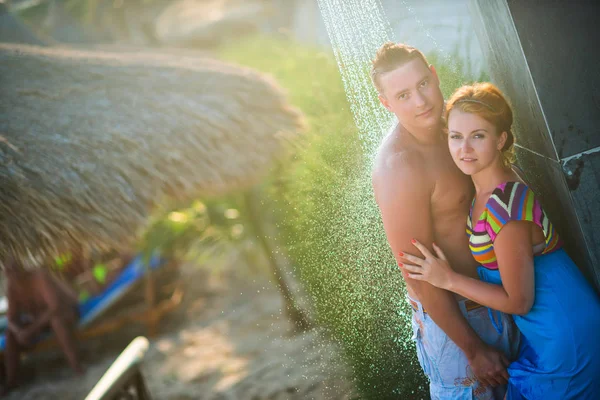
(474, 142)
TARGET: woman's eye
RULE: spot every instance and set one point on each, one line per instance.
(478, 136)
(403, 96)
(454, 136)
(424, 83)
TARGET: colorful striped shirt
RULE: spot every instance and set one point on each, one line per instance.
(510, 201)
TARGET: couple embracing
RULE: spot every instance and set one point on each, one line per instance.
(498, 312)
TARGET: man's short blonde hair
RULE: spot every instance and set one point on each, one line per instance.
(391, 56)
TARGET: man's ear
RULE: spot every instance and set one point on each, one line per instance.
(502, 140)
(384, 102)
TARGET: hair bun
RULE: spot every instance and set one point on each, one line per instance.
(510, 140)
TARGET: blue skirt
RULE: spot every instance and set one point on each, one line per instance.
(559, 353)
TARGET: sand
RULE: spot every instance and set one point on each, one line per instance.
(229, 339)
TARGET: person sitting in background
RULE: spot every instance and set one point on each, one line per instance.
(37, 303)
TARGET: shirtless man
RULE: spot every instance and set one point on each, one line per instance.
(37, 302)
(421, 194)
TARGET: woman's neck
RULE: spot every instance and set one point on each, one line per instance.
(488, 179)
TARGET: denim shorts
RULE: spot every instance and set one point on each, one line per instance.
(446, 365)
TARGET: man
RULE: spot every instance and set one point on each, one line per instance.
(37, 302)
(421, 194)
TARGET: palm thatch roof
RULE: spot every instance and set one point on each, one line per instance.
(90, 141)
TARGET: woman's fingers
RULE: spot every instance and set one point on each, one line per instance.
(412, 268)
(424, 250)
(439, 252)
(410, 258)
(417, 277)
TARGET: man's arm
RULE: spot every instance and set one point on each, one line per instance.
(403, 194)
(47, 291)
(64, 289)
(12, 313)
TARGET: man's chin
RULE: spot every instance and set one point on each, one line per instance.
(430, 123)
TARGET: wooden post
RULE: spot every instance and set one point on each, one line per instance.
(294, 311)
(150, 295)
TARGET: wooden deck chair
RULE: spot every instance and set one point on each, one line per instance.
(124, 379)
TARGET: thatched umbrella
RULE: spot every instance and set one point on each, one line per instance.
(89, 141)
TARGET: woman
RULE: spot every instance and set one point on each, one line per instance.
(524, 270)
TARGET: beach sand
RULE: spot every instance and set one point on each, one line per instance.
(229, 339)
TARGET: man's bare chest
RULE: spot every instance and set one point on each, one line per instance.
(453, 191)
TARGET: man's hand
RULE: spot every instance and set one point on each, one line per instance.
(21, 335)
(489, 366)
(26, 337)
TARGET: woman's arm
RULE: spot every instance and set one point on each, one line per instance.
(514, 253)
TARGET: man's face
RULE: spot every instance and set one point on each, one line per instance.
(412, 92)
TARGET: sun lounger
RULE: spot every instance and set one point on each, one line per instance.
(91, 309)
(95, 306)
(124, 375)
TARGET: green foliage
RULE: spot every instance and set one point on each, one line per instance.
(100, 272)
(362, 309)
(85, 10)
(453, 72)
(329, 224)
(61, 261)
(198, 231)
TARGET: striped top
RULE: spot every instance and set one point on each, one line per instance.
(510, 201)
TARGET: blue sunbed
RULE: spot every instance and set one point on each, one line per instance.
(94, 306)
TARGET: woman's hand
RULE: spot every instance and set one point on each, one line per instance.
(432, 269)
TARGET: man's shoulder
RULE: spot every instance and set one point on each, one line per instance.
(397, 153)
(401, 177)
(399, 162)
